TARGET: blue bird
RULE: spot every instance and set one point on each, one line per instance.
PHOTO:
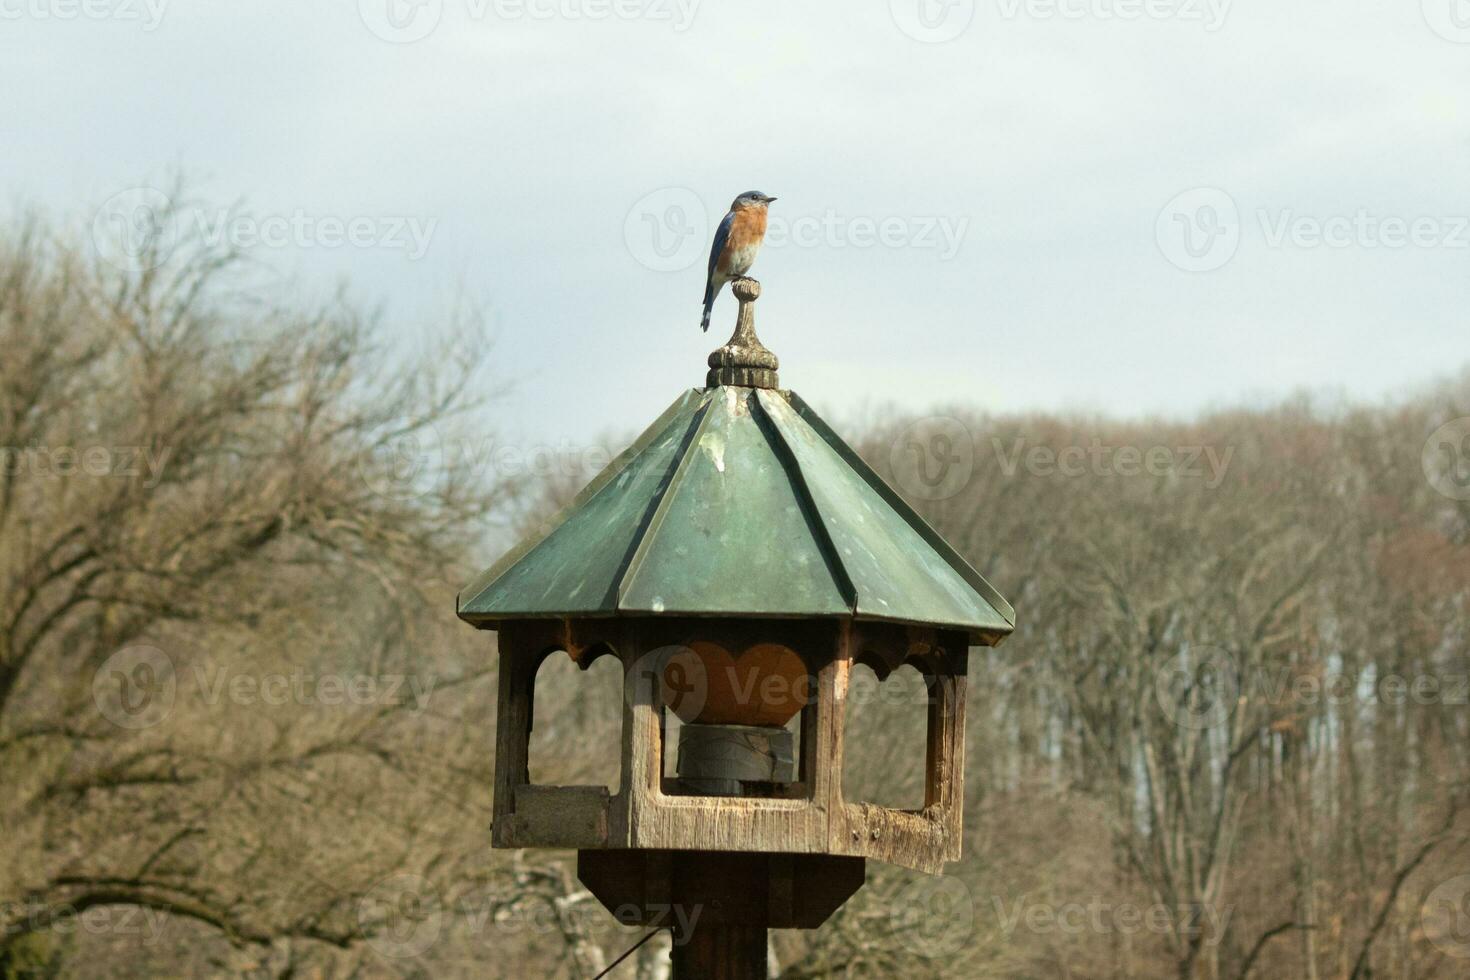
(737, 240)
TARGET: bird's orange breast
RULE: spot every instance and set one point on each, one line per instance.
(748, 228)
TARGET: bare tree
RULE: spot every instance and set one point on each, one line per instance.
(201, 497)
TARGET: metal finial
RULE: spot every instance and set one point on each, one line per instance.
(744, 361)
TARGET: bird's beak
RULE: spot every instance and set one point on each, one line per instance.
(768, 200)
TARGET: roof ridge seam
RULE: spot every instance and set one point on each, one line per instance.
(840, 575)
(648, 530)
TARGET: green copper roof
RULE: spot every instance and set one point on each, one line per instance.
(739, 502)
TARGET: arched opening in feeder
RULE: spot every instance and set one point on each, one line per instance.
(889, 717)
(589, 698)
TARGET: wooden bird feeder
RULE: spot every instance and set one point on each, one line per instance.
(737, 561)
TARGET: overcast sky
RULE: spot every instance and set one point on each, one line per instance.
(1123, 205)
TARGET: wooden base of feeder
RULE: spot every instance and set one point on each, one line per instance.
(719, 904)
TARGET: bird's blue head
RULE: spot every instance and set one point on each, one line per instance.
(751, 199)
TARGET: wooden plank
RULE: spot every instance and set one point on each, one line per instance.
(512, 733)
(902, 837)
(643, 763)
(561, 816)
(714, 823)
(834, 684)
(944, 784)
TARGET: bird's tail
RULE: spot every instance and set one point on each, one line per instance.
(710, 290)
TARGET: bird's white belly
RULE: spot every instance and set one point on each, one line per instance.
(740, 260)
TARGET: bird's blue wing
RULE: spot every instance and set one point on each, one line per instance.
(722, 234)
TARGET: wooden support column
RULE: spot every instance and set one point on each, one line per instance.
(717, 951)
(518, 665)
(944, 779)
